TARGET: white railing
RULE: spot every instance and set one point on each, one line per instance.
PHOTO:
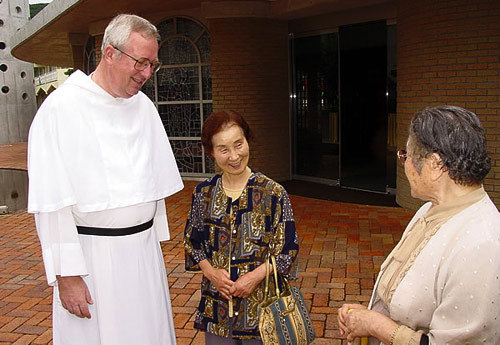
(46, 78)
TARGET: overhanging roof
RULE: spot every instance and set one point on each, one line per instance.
(46, 38)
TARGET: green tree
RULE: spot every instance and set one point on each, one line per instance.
(35, 8)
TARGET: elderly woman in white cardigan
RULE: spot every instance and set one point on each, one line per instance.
(441, 283)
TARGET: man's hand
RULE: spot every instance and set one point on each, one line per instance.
(74, 295)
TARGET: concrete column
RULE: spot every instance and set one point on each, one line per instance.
(17, 100)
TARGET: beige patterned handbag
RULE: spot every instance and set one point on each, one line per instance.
(283, 317)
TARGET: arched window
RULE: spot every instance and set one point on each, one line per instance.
(89, 57)
(182, 91)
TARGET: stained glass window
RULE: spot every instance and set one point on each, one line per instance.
(181, 120)
(178, 84)
(189, 156)
(182, 91)
(177, 51)
(89, 58)
(149, 89)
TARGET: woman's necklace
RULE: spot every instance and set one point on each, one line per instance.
(240, 180)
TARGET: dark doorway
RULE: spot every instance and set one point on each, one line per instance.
(344, 107)
(363, 108)
(316, 106)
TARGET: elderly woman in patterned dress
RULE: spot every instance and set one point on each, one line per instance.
(237, 219)
(440, 284)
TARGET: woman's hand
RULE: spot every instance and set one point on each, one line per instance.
(355, 320)
(221, 280)
(245, 284)
(343, 313)
(218, 277)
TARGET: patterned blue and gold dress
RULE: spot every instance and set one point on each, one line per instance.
(238, 234)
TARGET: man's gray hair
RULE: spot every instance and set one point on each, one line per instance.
(118, 30)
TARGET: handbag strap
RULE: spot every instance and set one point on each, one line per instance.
(275, 271)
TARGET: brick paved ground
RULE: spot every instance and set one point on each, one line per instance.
(342, 246)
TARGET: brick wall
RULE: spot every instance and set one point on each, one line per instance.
(97, 44)
(449, 53)
(249, 61)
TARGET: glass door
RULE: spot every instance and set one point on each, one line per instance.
(316, 107)
(344, 107)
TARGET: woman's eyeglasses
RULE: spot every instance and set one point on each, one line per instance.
(402, 155)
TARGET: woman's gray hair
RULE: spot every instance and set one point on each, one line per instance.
(456, 134)
(118, 30)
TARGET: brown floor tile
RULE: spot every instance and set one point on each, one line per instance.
(342, 247)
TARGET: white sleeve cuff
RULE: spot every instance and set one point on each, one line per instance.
(161, 221)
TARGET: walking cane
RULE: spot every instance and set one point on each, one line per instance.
(230, 306)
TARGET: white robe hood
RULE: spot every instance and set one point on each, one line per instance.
(90, 149)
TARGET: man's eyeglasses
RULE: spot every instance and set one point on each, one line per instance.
(142, 63)
(402, 155)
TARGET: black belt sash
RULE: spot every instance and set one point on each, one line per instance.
(88, 230)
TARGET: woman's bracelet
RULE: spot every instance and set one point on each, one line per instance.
(393, 335)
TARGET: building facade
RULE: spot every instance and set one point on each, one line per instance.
(328, 86)
(47, 79)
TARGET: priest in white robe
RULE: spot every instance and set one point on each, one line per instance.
(100, 166)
